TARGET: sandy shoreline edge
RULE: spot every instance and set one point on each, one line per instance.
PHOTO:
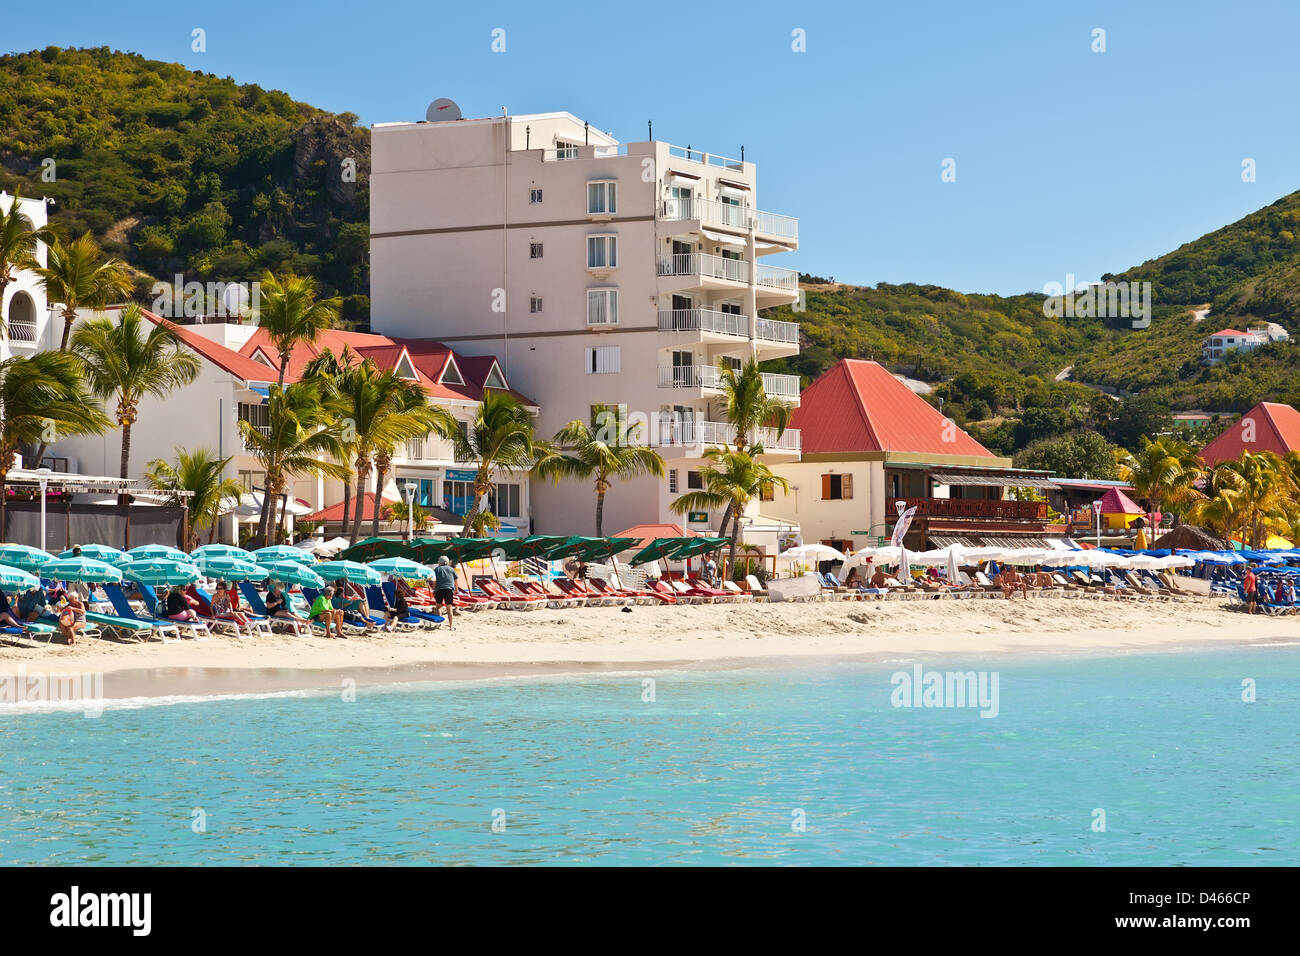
(592, 641)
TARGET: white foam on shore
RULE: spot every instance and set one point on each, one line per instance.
(138, 703)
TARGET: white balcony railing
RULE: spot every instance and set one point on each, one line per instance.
(708, 376)
(685, 433)
(21, 332)
(781, 386)
(774, 277)
(704, 320)
(714, 212)
(706, 266)
(708, 159)
(774, 330)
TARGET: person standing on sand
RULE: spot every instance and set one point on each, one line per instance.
(444, 590)
(1251, 585)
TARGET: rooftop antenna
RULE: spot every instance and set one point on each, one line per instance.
(442, 110)
(584, 135)
(650, 129)
(528, 132)
(742, 152)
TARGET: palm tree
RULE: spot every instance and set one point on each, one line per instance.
(748, 407)
(128, 360)
(301, 438)
(1164, 472)
(19, 242)
(407, 416)
(327, 370)
(732, 479)
(500, 436)
(595, 458)
(289, 313)
(78, 276)
(41, 398)
(199, 472)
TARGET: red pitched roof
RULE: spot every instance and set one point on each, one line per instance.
(241, 366)
(1269, 425)
(648, 532)
(1115, 502)
(859, 406)
(1227, 332)
(335, 511)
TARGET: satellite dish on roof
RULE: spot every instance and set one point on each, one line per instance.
(442, 110)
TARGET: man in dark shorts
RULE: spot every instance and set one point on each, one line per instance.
(444, 590)
(1251, 584)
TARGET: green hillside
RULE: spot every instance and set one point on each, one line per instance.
(180, 171)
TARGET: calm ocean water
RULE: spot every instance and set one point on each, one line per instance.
(721, 768)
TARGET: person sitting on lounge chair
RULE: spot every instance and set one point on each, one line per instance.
(31, 604)
(277, 604)
(352, 606)
(7, 616)
(324, 612)
(1011, 581)
(180, 606)
(72, 618)
(223, 606)
(880, 579)
(853, 581)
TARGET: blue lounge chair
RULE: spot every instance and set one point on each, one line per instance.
(196, 629)
(257, 623)
(255, 601)
(312, 593)
(414, 617)
(390, 592)
(166, 630)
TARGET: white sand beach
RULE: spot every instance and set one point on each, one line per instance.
(504, 643)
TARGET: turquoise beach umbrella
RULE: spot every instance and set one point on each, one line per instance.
(290, 572)
(167, 553)
(101, 552)
(402, 567)
(228, 566)
(81, 569)
(24, 556)
(283, 552)
(161, 571)
(222, 550)
(16, 579)
(354, 572)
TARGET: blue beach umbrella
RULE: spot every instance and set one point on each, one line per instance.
(83, 569)
(291, 572)
(101, 552)
(147, 551)
(402, 567)
(283, 552)
(354, 572)
(16, 579)
(24, 556)
(158, 571)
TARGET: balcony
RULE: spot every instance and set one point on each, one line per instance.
(774, 330)
(709, 377)
(707, 159)
(774, 277)
(983, 510)
(708, 266)
(689, 433)
(727, 323)
(21, 333)
(714, 212)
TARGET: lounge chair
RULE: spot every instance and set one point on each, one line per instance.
(662, 592)
(516, 601)
(367, 623)
(378, 602)
(737, 591)
(197, 630)
(689, 594)
(166, 630)
(413, 611)
(755, 587)
(258, 606)
(606, 587)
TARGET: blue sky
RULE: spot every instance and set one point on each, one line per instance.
(1067, 160)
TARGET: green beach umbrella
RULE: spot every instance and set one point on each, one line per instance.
(372, 548)
(222, 550)
(690, 547)
(229, 566)
(354, 572)
(291, 572)
(24, 556)
(429, 550)
(532, 546)
(468, 549)
(101, 552)
(83, 569)
(16, 579)
(148, 551)
(656, 549)
(283, 552)
(402, 567)
(161, 571)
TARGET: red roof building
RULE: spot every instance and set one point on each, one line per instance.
(1268, 426)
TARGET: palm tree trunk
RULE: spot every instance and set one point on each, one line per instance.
(126, 458)
(481, 483)
(263, 518)
(381, 475)
(277, 520)
(731, 551)
(361, 499)
(347, 502)
(69, 316)
(600, 513)
(4, 493)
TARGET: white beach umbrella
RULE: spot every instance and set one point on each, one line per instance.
(1025, 556)
(1177, 561)
(811, 552)
(1145, 562)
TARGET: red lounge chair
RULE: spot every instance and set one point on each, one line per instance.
(701, 588)
(663, 592)
(554, 601)
(576, 592)
(605, 587)
(525, 602)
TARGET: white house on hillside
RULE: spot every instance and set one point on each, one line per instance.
(24, 309)
(1216, 346)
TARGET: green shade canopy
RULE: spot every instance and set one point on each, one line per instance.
(693, 546)
(81, 569)
(291, 572)
(354, 572)
(229, 566)
(283, 552)
(16, 579)
(147, 551)
(588, 549)
(222, 550)
(429, 550)
(156, 571)
(25, 557)
(656, 549)
(677, 549)
(372, 548)
(101, 552)
(532, 546)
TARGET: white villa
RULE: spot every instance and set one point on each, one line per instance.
(24, 309)
(600, 273)
(1216, 346)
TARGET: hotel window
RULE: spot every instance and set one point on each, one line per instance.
(672, 481)
(837, 487)
(534, 197)
(602, 307)
(535, 304)
(566, 150)
(694, 481)
(255, 415)
(503, 501)
(602, 198)
(602, 252)
(534, 250)
(604, 360)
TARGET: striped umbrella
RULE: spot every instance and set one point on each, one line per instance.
(25, 557)
(402, 567)
(283, 552)
(101, 552)
(81, 569)
(161, 571)
(222, 550)
(291, 572)
(16, 579)
(147, 551)
(228, 566)
(356, 573)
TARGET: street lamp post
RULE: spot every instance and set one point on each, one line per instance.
(43, 475)
(1096, 513)
(410, 511)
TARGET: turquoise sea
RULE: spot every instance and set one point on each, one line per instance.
(791, 765)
